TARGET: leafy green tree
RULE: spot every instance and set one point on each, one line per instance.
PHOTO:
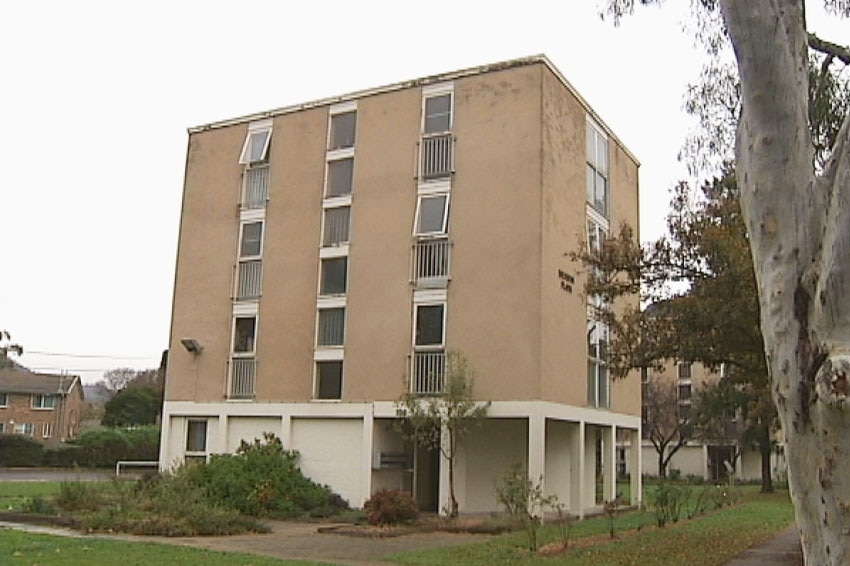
(133, 405)
(664, 425)
(440, 422)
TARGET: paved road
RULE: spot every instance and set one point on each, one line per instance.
(54, 474)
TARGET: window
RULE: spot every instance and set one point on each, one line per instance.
(331, 327)
(329, 380)
(597, 169)
(438, 114)
(25, 428)
(43, 401)
(598, 374)
(244, 334)
(685, 392)
(256, 146)
(343, 127)
(336, 226)
(684, 411)
(430, 324)
(334, 272)
(4, 399)
(2, 428)
(340, 177)
(47, 430)
(432, 215)
(196, 436)
(684, 371)
(252, 240)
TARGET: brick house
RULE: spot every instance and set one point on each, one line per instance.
(44, 406)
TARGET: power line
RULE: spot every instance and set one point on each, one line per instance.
(103, 356)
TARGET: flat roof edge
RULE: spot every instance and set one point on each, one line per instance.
(431, 79)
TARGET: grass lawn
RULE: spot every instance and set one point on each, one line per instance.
(20, 548)
(14, 493)
(710, 540)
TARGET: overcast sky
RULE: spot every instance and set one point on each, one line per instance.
(96, 98)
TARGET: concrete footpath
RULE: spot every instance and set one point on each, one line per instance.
(784, 550)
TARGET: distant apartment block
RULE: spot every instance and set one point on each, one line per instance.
(332, 253)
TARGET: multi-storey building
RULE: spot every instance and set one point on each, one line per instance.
(44, 406)
(333, 252)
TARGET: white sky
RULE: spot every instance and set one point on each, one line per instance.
(96, 98)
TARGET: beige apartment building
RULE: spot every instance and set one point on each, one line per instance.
(333, 252)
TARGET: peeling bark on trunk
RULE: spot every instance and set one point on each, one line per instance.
(799, 233)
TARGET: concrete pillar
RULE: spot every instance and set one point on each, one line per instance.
(577, 463)
(221, 436)
(444, 499)
(609, 463)
(537, 449)
(637, 467)
(286, 431)
(366, 456)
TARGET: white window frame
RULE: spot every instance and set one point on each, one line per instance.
(594, 163)
(26, 429)
(329, 306)
(316, 363)
(4, 400)
(336, 159)
(242, 226)
(599, 363)
(34, 402)
(253, 352)
(426, 347)
(322, 261)
(434, 91)
(206, 437)
(256, 128)
(2, 427)
(331, 204)
(338, 110)
(418, 220)
(46, 430)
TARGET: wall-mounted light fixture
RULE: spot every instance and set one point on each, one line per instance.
(192, 345)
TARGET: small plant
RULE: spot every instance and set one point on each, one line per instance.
(524, 501)
(565, 523)
(670, 500)
(611, 509)
(390, 507)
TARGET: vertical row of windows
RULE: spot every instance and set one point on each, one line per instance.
(333, 265)
(431, 246)
(598, 333)
(248, 277)
(684, 389)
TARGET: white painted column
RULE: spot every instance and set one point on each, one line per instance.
(286, 431)
(444, 496)
(537, 449)
(165, 439)
(577, 463)
(609, 463)
(636, 467)
(221, 440)
(705, 469)
(366, 455)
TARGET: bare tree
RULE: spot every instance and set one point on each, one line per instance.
(666, 426)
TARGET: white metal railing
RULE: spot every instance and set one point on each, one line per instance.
(249, 279)
(243, 377)
(436, 156)
(256, 190)
(428, 372)
(431, 261)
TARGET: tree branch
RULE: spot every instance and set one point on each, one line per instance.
(830, 49)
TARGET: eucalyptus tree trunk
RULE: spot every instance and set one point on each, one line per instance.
(799, 232)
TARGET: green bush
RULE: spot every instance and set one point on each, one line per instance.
(17, 450)
(63, 456)
(388, 506)
(262, 479)
(102, 448)
(670, 500)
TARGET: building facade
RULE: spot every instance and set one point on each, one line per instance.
(46, 407)
(331, 254)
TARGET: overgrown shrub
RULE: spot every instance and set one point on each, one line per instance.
(17, 450)
(388, 507)
(104, 447)
(524, 501)
(63, 456)
(262, 479)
